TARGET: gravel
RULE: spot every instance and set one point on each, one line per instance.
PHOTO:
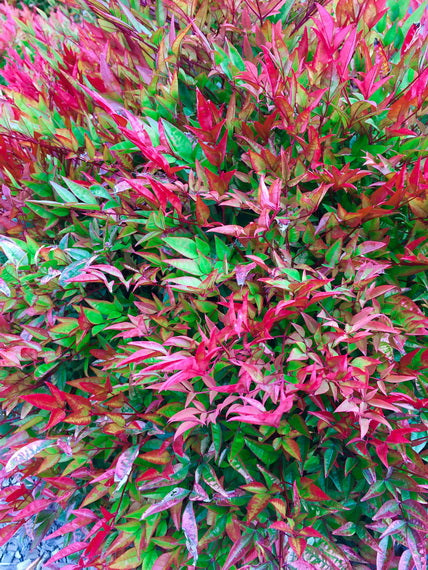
(25, 551)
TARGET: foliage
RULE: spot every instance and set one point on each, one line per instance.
(213, 283)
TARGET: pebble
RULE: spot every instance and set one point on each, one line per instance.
(19, 553)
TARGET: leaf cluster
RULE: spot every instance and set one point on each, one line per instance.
(213, 283)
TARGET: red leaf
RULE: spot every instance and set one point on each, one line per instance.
(204, 112)
(96, 542)
(95, 494)
(303, 565)
(63, 483)
(6, 532)
(238, 551)
(163, 562)
(77, 403)
(326, 24)
(309, 531)
(388, 510)
(34, 508)
(202, 211)
(79, 522)
(42, 401)
(55, 418)
(70, 549)
(283, 526)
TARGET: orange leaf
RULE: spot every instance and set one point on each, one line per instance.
(311, 492)
(280, 506)
(156, 458)
(256, 505)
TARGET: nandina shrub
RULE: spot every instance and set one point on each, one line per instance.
(212, 284)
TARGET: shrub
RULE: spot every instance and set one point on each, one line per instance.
(212, 283)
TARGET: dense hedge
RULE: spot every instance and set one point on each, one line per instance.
(214, 243)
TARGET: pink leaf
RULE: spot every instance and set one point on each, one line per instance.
(231, 230)
(124, 465)
(393, 528)
(416, 543)
(190, 529)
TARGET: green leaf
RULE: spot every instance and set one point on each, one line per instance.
(330, 455)
(126, 561)
(15, 254)
(211, 479)
(414, 18)
(237, 444)
(43, 369)
(202, 246)
(205, 265)
(293, 273)
(178, 141)
(63, 193)
(100, 191)
(297, 423)
(235, 57)
(333, 253)
(172, 498)
(264, 452)
(126, 146)
(221, 249)
(62, 207)
(350, 464)
(377, 489)
(94, 317)
(239, 467)
(81, 193)
(222, 59)
(185, 246)
(77, 253)
(285, 10)
(217, 438)
(186, 265)
(72, 270)
(160, 13)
